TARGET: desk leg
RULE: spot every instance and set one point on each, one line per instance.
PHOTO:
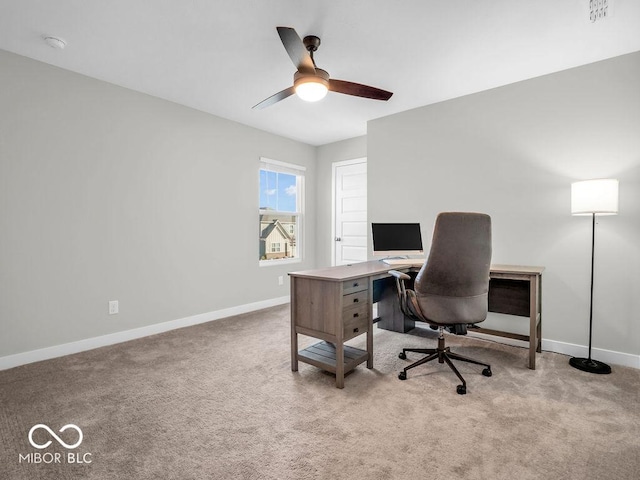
(533, 320)
(294, 351)
(340, 364)
(370, 326)
(370, 346)
(539, 285)
(294, 334)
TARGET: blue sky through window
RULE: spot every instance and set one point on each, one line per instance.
(277, 191)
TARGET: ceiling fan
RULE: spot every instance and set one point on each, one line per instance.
(310, 82)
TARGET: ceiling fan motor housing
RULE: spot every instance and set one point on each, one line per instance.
(321, 76)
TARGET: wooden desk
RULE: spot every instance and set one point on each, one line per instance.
(335, 304)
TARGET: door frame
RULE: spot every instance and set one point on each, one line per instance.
(334, 168)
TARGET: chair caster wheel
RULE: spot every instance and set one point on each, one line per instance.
(487, 372)
(402, 375)
(461, 390)
(402, 355)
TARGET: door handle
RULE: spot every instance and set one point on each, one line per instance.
(338, 239)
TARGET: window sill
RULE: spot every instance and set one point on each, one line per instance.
(273, 263)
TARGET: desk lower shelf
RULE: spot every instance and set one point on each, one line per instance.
(323, 355)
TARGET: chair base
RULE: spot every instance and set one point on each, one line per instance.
(444, 355)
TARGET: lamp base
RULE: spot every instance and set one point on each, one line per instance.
(589, 365)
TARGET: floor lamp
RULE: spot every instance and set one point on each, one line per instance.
(593, 197)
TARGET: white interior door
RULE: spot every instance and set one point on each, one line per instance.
(350, 212)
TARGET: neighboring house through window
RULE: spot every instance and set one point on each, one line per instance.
(280, 212)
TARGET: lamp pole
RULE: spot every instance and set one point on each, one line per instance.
(588, 364)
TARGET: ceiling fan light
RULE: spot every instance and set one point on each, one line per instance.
(311, 87)
(311, 91)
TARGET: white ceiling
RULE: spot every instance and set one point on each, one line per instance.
(224, 56)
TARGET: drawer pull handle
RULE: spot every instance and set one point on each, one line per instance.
(356, 284)
(356, 330)
(356, 315)
(356, 300)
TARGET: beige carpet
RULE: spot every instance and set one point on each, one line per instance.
(219, 401)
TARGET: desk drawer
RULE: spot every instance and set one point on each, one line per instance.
(355, 321)
(355, 299)
(356, 285)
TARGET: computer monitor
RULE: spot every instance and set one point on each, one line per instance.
(396, 239)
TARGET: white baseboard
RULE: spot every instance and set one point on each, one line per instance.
(10, 361)
(18, 359)
(606, 356)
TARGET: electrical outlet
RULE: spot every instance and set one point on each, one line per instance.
(113, 307)
(280, 280)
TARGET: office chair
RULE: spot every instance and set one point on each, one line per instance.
(451, 289)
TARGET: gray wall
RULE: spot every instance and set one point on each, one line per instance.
(513, 152)
(108, 194)
(327, 155)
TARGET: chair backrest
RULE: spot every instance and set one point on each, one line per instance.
(452, 286)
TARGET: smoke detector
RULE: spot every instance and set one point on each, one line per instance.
(55, 42)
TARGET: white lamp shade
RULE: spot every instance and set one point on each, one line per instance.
(594, 196)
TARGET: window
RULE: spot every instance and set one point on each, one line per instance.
(280, 212)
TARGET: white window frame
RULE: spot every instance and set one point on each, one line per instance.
(298, 171)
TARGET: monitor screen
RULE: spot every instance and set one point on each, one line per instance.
(396, 239)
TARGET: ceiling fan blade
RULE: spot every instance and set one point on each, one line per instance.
(358, 90)
(296, 50)
(287, 92)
